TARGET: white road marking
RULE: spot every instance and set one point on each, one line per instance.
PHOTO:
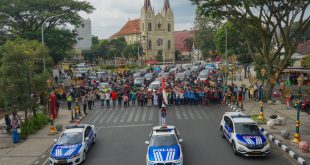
(144, 114)
(104, 116)
(137, 114)
(126, 111)
(151, 114)
(125, 126)
(120, 112)
(197, 113)
(131, 115)
(177, 112)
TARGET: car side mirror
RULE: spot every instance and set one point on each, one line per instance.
(87, 138)
(147, 142)
(180, 140)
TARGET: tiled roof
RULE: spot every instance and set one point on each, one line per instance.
(131, 27)
(179, 37)
(304, 48)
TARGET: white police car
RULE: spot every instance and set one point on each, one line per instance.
(244, 135)
(164, 146)
(73, 144)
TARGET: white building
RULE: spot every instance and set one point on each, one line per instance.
(84, 41)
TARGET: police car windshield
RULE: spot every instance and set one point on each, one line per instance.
(70, 138)
(163, 140)
(247, 129)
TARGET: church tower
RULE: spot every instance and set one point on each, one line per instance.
(157, 32)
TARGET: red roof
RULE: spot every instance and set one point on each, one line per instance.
(131, 27)
(304, 48)
(179, 37)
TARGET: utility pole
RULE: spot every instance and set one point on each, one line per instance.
(226, 56)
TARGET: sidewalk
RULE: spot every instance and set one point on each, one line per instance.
(29, 150)
(253, 108)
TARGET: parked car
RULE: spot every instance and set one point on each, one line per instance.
(137, 75)
(139, 82)
(156, 85)
(149, 77)
(181, 76)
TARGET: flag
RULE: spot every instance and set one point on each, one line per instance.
(163, 86)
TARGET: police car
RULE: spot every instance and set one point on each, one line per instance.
(244, 135)
(164, 146)
(73, 144)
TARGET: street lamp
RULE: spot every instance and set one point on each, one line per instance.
(263, 72)
(297, 135)
(42, 33)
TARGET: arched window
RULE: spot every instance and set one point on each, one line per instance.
(150, 44)
(159, 42)
(169, 27)
(169, 44)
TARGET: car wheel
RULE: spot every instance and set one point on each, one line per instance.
(222, 132)
(94, 140)
(84, 156)
(233, 145)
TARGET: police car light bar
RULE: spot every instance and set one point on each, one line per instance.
(240, 116)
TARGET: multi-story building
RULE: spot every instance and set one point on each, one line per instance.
(84, 41)
(155, 32)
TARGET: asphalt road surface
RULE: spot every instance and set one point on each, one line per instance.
(121, 132)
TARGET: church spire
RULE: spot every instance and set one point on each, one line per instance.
(166, 5)
(147, 4)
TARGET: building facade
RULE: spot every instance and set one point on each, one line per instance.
(154, 31)
(84, 41)
(157, 32)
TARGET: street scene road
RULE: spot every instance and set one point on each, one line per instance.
(121, 133)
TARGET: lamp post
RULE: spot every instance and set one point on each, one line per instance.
(263, 72)
(42, 33)
(261, 114)
(297, 135)
(226, 55)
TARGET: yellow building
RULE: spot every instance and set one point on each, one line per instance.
(155, 32)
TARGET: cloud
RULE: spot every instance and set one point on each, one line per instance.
(111, 15)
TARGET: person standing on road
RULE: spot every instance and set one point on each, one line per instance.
(102, 99)
(108, 98)
(114, 97)
(89, 100)
(69, 101)
(84, 102)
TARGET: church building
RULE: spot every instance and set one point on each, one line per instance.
(155, 32)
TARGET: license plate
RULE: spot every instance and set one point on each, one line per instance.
(62, 161)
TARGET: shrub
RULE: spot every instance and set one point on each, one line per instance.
(33, 124)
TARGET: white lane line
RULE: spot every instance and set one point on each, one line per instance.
(126, 111)
(197, 113)
(125, 126)
(185, 115)
(36, 162)
(144, 114)
(120, 112)
(177, 112)
(105, 116)
(42, 156)
(45, 162)
(151, 113)
(111, 116)
(98, 114)
(138, 114)
(191, 113)
(131, 115)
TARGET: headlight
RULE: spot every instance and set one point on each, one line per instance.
(242, 143)
(74, 156)
(266, 142)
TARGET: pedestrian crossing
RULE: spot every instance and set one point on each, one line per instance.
(135, 114)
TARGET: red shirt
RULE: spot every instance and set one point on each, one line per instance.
(114, 95)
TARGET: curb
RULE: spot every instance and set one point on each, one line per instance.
(277, 142)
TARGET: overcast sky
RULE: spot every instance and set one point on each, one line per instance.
(111, 15)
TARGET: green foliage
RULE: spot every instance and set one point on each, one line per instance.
(25, 18)
(305, 62)
(34, 124)
(205, 33)
(19, 73)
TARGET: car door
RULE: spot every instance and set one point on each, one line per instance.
(228, 127)
(87, 135)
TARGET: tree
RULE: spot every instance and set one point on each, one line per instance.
(205, 28)
(19, 74)
(188, 44)
(305, 62)
(25, 18)
(272, 20)
(235, 44)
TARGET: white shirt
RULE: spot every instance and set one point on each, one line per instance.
(107, 96)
